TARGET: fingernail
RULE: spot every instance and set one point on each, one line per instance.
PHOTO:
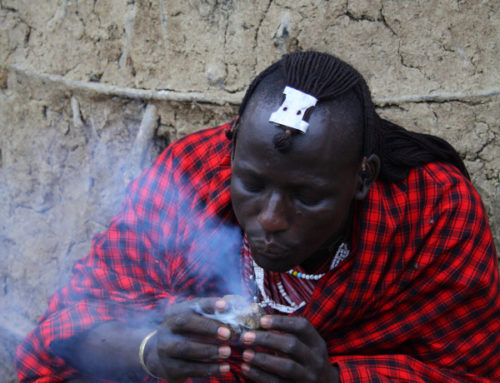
(248, 355)
(224, 368)
(224, 351)
(220, 305)
(224, 333)
(265, 321)
(248, 337)
(245, 368)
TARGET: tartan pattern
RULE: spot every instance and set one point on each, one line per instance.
(417, 300)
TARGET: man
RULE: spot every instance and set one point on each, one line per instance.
(365, 243)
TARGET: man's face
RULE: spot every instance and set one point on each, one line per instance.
(292, 204)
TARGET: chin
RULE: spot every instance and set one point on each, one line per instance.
(278, 266)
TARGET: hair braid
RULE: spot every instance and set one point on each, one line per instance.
(326, 77)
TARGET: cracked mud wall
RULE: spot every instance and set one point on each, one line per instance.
(91, 91)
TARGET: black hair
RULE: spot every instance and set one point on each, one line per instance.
(327, 77)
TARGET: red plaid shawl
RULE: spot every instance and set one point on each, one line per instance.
(417, 300)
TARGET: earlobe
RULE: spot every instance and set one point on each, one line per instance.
(368, 173)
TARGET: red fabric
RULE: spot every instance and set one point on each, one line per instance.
(417, 300)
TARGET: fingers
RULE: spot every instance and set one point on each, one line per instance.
(298, 326)
(180, 369)
(206, 305)
(211, 305)
(188, 344)
(191, 323)
(260, 376)
(180, 358)
(180, 348)
(292, 351)
(284, 343)
(186, 318)
(263, 367)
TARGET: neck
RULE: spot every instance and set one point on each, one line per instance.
(314, 263)
(325, 253)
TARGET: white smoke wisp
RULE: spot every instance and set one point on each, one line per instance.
(240, 315)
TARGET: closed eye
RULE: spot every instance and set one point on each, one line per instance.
(252, 185)
(308, 200)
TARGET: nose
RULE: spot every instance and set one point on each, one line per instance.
(273, 215)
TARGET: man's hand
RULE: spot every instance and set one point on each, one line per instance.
(295, 352)
(187, 344)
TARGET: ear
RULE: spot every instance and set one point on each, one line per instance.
(367, 174)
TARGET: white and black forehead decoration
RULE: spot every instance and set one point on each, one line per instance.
(293, 109)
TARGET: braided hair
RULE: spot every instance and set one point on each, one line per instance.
(326, 77)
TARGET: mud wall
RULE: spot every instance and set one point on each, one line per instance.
(91, 91)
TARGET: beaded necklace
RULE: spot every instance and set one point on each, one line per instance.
(341, 254)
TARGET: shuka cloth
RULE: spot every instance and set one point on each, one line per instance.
(417, 300)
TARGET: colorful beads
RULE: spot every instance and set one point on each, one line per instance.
(313, 277)
(341, 254)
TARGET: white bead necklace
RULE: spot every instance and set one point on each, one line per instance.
(341, 254)
(266, 301)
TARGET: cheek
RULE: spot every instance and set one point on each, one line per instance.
(317, 228)
(241, 205)
(235, 200)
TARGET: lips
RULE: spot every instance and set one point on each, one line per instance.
(270, 250)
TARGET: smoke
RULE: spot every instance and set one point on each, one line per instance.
(206, 248)
(206, 255)
(65, 187)
(240, 314)
(197, 252)
(214, 247)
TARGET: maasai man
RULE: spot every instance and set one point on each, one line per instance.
(366, 244)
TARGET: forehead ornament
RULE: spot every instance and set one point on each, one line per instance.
(291, 112)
